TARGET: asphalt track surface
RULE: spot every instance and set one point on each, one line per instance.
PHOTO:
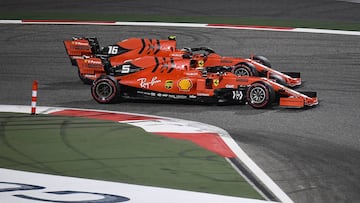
(326, 11)
(312, 154)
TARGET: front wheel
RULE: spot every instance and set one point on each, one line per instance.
(260, 95)
(105, 90)
(262, 60)
(245, 69)
(278, 79)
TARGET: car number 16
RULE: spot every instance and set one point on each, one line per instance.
(113, 50)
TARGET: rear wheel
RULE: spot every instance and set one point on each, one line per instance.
(245, 69)
(260, 95)
(105, 90)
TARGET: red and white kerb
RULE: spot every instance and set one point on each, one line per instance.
(34, 97)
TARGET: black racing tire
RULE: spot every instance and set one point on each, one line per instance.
(105, 90)
(260, 95)
(278, 79)
(245, 69)
(85, 80)
(262, 60)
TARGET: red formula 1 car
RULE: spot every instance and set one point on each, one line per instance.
(86, 53)
(90, 58)
(258, 66)
(167, 78)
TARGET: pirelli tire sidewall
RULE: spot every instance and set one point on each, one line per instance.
(260, 95)
(105, 90)
(245, 69)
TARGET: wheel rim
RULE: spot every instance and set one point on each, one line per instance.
(257, 95)
(242, 72)
(104, 90)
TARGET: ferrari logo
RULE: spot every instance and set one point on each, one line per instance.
(201, 63)
(216, 82)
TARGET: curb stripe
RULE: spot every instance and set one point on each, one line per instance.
(67, 21)
(209, 141)
(116, 117)
(325, 31)
(256, 27)
(190, 127)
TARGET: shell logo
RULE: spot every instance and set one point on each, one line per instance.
(185, 84)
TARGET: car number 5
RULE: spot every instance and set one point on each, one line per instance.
(125, 68)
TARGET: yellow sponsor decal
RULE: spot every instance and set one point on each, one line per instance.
(169, 84)
(184, 84)
(201, 63)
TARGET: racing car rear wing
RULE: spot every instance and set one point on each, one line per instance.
(77, 48)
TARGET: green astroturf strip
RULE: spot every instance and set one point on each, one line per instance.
(188, 18)
(111, 151)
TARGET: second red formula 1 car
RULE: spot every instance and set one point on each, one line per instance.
(258, 66)
(86, 53)
(90, 58)
(168, 78)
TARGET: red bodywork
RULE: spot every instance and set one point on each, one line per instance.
(86, 54)
(214, 59)
(164, 77)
